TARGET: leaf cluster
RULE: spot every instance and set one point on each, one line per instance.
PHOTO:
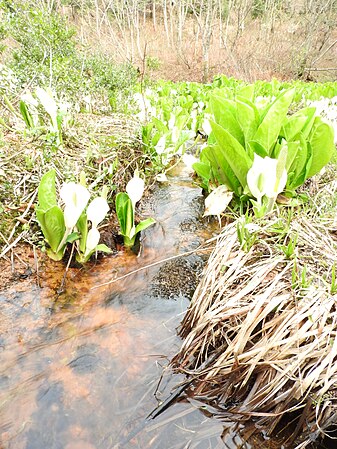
(243, 127)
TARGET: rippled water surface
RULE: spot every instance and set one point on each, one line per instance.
(80, 369)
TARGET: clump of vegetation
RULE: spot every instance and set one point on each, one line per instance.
(125, 210)
(70, 225)
(256, 150)
(48, 53)
(261, 328)
(259, 334)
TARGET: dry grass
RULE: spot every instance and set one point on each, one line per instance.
(260, 334)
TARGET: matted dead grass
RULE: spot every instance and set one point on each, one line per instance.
(260, 334)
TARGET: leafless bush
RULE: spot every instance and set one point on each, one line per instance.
(244, 38)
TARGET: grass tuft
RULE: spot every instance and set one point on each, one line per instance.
(260, 334)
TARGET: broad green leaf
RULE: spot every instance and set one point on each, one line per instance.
(301, 121)
(224, 112)
(322, 144)
(309, 123)
(103, 248)
(47, 191)
(269, 129)
(54, 227)
(247, 117)
(256, 147)
(281, 169)
(234, 153)
(220, 169)
(40, 216)
(246, 92)
(293, 148)
(144, 224)
(124, 211)
(298, 169)
(57, 256)
(203, 170)
(160, 125)
(82, 226)
(73, 237)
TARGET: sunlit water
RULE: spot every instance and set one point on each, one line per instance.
(81, 369)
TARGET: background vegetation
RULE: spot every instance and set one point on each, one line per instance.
(177, 39)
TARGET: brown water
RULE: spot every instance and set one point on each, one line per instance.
(83, 369)
(80, 369)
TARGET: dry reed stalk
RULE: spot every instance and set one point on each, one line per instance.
(260, 334)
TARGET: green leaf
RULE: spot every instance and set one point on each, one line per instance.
(83, 258)
(55, 256)
(225, 113)
(301, 121)
(82, 226)
(47, 191)
(221, 173)
(144, 224)
(281, 165)
(203, 170)
(73, 237)
(246, 92)
(103, 248)
(129, 242)
(298, 169)
(234, 153)
(322, 144)
(269, 129)
(124, 211)
(256, 147)
(26, 115)
(52, 225)
(247, 117)
(293, 148)
(160, 125)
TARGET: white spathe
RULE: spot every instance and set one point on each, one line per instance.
(29, 99)
(189, 160)
(218, 200)
(75, 197)
(97, 210)
(161, 145)
(135, 188)
(161, 177)
(262, 178)
(92, 239)
(171, 122)
(206, 125)
(48, 102)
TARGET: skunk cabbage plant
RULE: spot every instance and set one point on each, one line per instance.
(256, 149)
(70, 225)
(125, 210)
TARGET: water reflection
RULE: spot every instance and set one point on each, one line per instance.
(80, 369)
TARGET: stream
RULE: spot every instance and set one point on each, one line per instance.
(83, 369)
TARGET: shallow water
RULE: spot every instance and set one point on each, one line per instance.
(80, 369)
